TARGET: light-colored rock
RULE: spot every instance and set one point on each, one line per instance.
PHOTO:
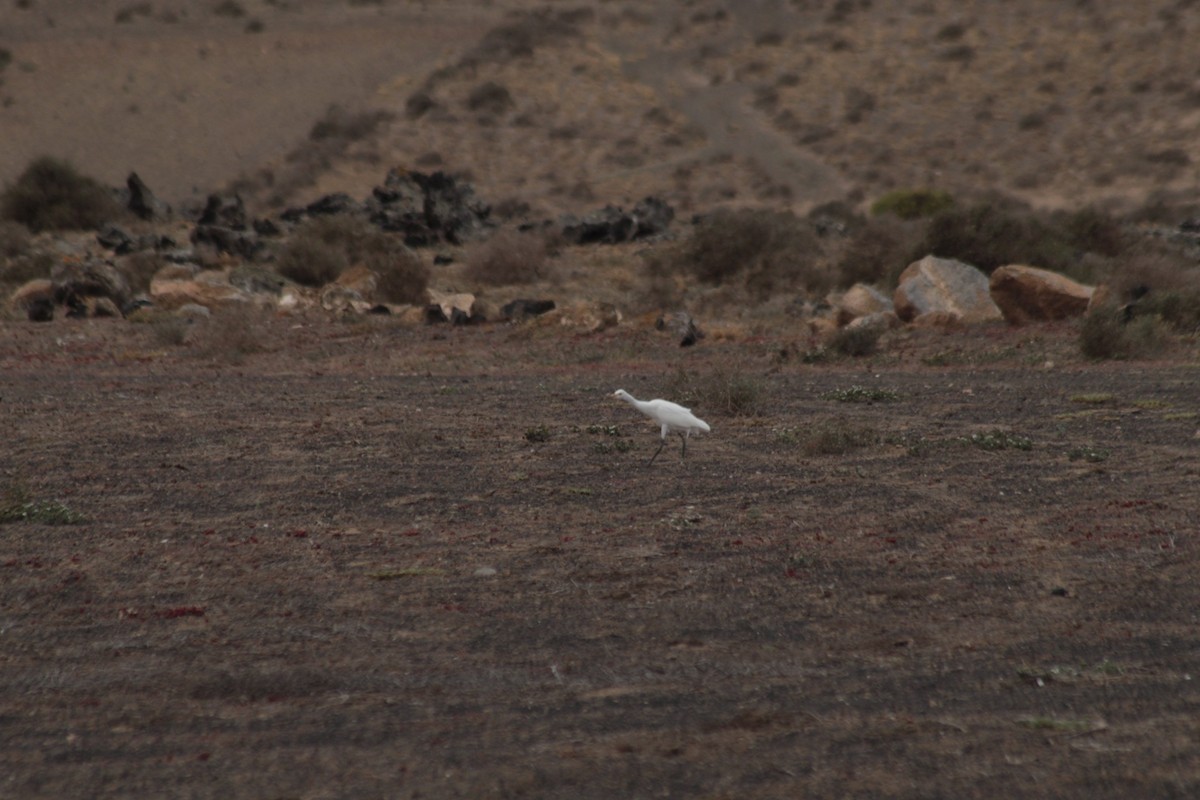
(360, 279)
(589, 316)
(338, 299)
(210, 289)
(462, 302)
(880, 320)
(90, 278)
(861, 300)
(945, 287)
(102, 307)
(177, 272)
(1103, 295)
(191, 311)
(822, 327)
(937, 319)
(294, 299)
(1029, 294)
(39, 289)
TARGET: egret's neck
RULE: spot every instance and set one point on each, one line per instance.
(633, 401)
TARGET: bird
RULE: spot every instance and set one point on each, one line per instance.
(671, 416)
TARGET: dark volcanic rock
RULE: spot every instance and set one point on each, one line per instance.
(267, 227)
(116, 239)
(427, 209)
(74, 281)
(612, 225)
(519, 309)
(40, 309)
(142, 201)
(337, 203)
(228, 240)
(224, 210)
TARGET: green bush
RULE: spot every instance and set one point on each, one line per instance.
(52, 195)
(913, 203)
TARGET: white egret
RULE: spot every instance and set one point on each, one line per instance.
(671, 416)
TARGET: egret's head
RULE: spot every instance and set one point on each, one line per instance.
(621, 393)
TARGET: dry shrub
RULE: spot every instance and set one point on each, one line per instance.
(490, 98)
(526, 33)
(878, 251)
(52, 195)
(402, 276)
(321, 248)
(14, 238)
(28, 266)
(731, 393)
(997, 232)
(139, 268)
(169, 329)
(231, 334)
(347, 126)
(418, 104)
(508, 257)
(836, 437)
(766, 251)
(1108, 332)
(913, 203)
(857, 340)
(229, 8)
(1162, 283)
(313, 256)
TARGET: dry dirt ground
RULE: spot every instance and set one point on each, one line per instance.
(372, 561)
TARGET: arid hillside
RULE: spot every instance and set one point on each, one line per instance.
(559, 107)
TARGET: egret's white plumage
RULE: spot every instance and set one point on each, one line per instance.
(672, 417)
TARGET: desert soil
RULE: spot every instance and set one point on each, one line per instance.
(372, 561)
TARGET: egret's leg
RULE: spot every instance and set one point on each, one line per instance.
(683, 453)
(661, 443)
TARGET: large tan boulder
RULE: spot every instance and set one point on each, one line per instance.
(1029, 294)
(947, 289)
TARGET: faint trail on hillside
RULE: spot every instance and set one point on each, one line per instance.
(724, 111)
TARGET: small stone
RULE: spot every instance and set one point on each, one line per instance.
(486, 572)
